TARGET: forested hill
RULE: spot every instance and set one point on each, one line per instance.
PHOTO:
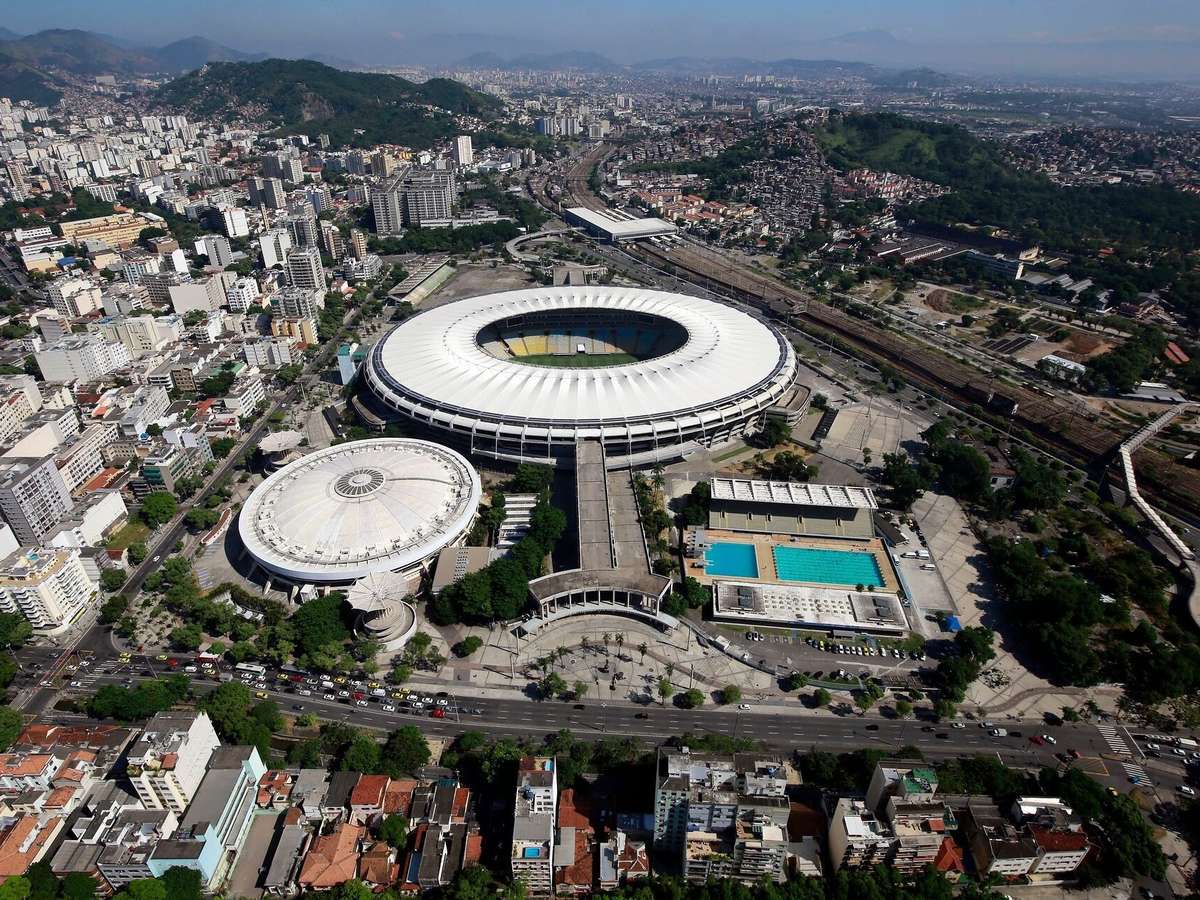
(988, 191)
(356, 108)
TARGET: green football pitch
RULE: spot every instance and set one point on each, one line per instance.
(576, 360)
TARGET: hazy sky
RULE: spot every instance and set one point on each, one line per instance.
(1152, 36)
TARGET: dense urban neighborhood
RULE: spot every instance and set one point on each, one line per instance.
(534, 475)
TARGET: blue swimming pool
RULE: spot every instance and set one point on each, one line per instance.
(731, 560)
(827, 566)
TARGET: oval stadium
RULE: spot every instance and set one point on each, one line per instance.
(520, 376)
(360, 509)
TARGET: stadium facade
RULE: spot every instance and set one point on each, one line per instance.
(521, 376)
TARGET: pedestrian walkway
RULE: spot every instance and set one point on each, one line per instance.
(1112, 737)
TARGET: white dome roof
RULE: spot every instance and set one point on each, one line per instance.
(436, 355)
(358, 508)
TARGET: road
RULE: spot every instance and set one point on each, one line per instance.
(1107, 751)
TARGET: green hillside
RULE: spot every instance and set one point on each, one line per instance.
(19, 81)
(987, 191)
(356, 108)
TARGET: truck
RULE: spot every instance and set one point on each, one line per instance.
(998, 732)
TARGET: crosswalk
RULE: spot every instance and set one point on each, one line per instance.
(1117, 744)
(1113, 738)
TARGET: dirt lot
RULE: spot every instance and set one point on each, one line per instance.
(946, 301)
(475, 279)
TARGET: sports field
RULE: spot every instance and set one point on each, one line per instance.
(576, 360)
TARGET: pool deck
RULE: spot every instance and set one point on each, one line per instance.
(765, 559)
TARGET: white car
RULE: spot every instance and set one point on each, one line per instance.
(304, 692)
(76, 684)
(360, 702)
(743, 706)
(189, 668)
(958, 725)
(1187, 791)
(1049, 739)
(387, 707)
(1152, 746)
(331, 696)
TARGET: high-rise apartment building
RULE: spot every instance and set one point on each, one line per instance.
(33, 497)
(428, 198)
(304, 269)
(49, 587)
(464, 153)
(216, 248)
(358, 243)
(274, 246)
(722, 815)
(387, 205)
(268, 192)
(74, 297)
(243, 294)
(168, 762)
(532, 855)
(332, 241)
(81, 357)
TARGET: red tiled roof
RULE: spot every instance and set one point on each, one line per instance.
(369, 790)
(398, 796)
(1058, 841)
(332, 859)
(949, 857)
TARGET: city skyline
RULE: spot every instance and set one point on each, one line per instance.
(1112, 40)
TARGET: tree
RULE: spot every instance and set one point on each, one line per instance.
(864, 700)
(531, 478)
(198, 518)
(821, 697)
(15, 888)
(158, 508)
(15, 630)
(944, 709)
(144, 889)
(552, 685)
(579, 689)
(904, 709)
(186, 638)
(363, 755)
(664, 690)
(394, 831)
(11, 724)
(776, 432)
(113, 608)
(404, 752)
(690, 699)
(112, 580)
(137, 552)
(730, 694)
(78, 886)
(467, 646)
(182, 883)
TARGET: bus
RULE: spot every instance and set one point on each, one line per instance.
(250, 669)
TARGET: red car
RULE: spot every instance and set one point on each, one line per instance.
(438, 713)
(359, 695)
(296, 679)
(1036, 739)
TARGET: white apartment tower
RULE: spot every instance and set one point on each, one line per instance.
(169, 760)
(532, 857)
(464, 153)
(50, 588)
(304, 269)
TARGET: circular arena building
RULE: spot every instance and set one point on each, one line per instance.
(521, 375)
(374, 511)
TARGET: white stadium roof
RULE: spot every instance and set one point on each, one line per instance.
(436, 356)
(359, 508)
(618, 228)
(840, 496)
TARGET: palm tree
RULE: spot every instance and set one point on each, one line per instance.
(657, 479)
(607, 638)
(584, 643)
(670, 669)
(620, 641)
(642, 648)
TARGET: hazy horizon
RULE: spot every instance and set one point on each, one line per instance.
(1157, 39)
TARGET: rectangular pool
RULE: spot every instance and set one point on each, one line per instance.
(731, 560)
(841, 567)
